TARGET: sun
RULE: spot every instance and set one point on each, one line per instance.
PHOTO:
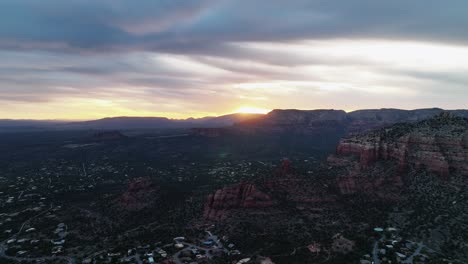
(252, 110)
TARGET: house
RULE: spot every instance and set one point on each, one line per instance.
(57, 250)
(20, 253)
(23, 240)
(179, 245)
(208, 242)
(58, 243)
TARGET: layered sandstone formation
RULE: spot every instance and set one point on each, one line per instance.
(242, 195)
(374, 163)
(439, 145)
(282, 186)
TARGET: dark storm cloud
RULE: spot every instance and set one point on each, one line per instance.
(84, 24)
(201, 26)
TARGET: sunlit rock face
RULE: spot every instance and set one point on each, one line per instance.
(438, 145)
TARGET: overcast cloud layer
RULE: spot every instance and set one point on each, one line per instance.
(88, 59)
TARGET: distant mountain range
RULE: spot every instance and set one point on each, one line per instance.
(356, 121)
(306, 121)
(125, 123)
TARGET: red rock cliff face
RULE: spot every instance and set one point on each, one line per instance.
(282, 185)
(437, 147)
(242, 195)
(438, 154)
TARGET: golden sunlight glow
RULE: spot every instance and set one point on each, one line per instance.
(252, 110)
(307, 74)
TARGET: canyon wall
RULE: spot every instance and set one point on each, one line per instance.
(439, 145)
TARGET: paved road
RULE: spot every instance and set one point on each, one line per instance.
(416, 253)
(375, 252)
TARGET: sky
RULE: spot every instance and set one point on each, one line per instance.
(87, 59)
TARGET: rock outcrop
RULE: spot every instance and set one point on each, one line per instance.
(438, 145)
(243, 195)
(141, 193)
(283, 186)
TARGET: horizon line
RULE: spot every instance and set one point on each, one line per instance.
(214, 116)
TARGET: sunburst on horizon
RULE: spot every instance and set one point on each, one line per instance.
(252, 110)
